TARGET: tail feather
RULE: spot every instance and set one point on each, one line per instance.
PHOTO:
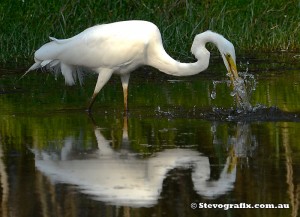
(70, 73)
(45, 62)
(54, 63)
(47, 57)
(36, 65)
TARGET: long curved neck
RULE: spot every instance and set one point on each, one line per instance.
(158, 58)
(168, 65)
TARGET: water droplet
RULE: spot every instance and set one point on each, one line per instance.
(213, 94)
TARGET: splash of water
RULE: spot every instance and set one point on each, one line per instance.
(242, 89)
(240, 92)
(213, 93)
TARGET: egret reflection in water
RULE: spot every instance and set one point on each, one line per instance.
(124, 178)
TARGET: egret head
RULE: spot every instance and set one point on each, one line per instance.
(228, 54)
(225, 47)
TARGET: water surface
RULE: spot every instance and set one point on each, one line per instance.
(177, 146)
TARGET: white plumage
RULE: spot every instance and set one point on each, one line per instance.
(120, 48)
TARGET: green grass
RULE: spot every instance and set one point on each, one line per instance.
(271, 25)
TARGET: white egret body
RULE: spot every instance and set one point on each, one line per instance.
(122, 47)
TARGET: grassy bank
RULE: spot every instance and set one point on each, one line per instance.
(271, 25)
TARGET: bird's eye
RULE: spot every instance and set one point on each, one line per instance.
(228, 55)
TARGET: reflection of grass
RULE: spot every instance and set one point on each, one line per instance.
(268, 25)
(280, 92)
(146, 136)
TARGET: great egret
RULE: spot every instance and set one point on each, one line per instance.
(120, 48)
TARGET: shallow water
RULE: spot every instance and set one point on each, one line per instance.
(177, 147)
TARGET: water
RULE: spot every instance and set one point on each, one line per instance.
(242, 89)
(177, 147)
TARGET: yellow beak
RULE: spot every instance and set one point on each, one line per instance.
(232, 69)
